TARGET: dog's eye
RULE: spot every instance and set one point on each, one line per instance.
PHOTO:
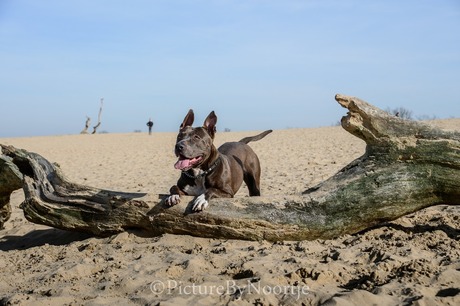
(196, 137)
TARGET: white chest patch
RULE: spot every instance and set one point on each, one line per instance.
(199, 187)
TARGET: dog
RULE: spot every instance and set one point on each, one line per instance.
(208, 172)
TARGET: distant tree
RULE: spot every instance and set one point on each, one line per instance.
(400, 112)
(88, 121)
(227, 130)
(85, 130)
(426, 117)
(98, 118)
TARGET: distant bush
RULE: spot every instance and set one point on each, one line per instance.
(426, 117)
(400, 112)
(407, 114)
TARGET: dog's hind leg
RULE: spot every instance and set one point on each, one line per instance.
(253, 183)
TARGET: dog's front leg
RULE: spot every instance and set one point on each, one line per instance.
(174, 197)
(202, 201)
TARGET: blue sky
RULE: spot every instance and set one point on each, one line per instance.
(259, 64)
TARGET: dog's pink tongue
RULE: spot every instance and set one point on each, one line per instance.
(182, 164)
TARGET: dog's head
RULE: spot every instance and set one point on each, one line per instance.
(194, 145)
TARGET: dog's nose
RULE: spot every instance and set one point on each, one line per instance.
(179, 146)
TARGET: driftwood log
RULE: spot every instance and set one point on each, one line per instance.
(87, 123)
(98, 117)
(407, 166)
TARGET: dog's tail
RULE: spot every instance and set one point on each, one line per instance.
(247, 140)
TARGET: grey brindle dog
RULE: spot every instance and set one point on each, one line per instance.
(208, 172)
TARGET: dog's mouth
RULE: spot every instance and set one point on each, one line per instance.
(185, 163)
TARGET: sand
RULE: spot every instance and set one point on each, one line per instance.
(411, 261)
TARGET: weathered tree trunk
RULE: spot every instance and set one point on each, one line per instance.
(87, 122)
(10, 180)
(407, 166)
(98, 117)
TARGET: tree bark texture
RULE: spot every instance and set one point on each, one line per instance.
(407, 166)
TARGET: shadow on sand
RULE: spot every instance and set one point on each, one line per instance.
(40, 237)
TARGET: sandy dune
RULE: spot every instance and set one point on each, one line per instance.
(413, 260)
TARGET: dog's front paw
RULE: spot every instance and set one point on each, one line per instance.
(173, 199)
(200, 203)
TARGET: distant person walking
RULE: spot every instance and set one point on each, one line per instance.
(150, 125)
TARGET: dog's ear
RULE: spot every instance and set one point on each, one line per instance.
(188, 120)
(210, 124)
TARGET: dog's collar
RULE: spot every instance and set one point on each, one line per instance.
(204, 173)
